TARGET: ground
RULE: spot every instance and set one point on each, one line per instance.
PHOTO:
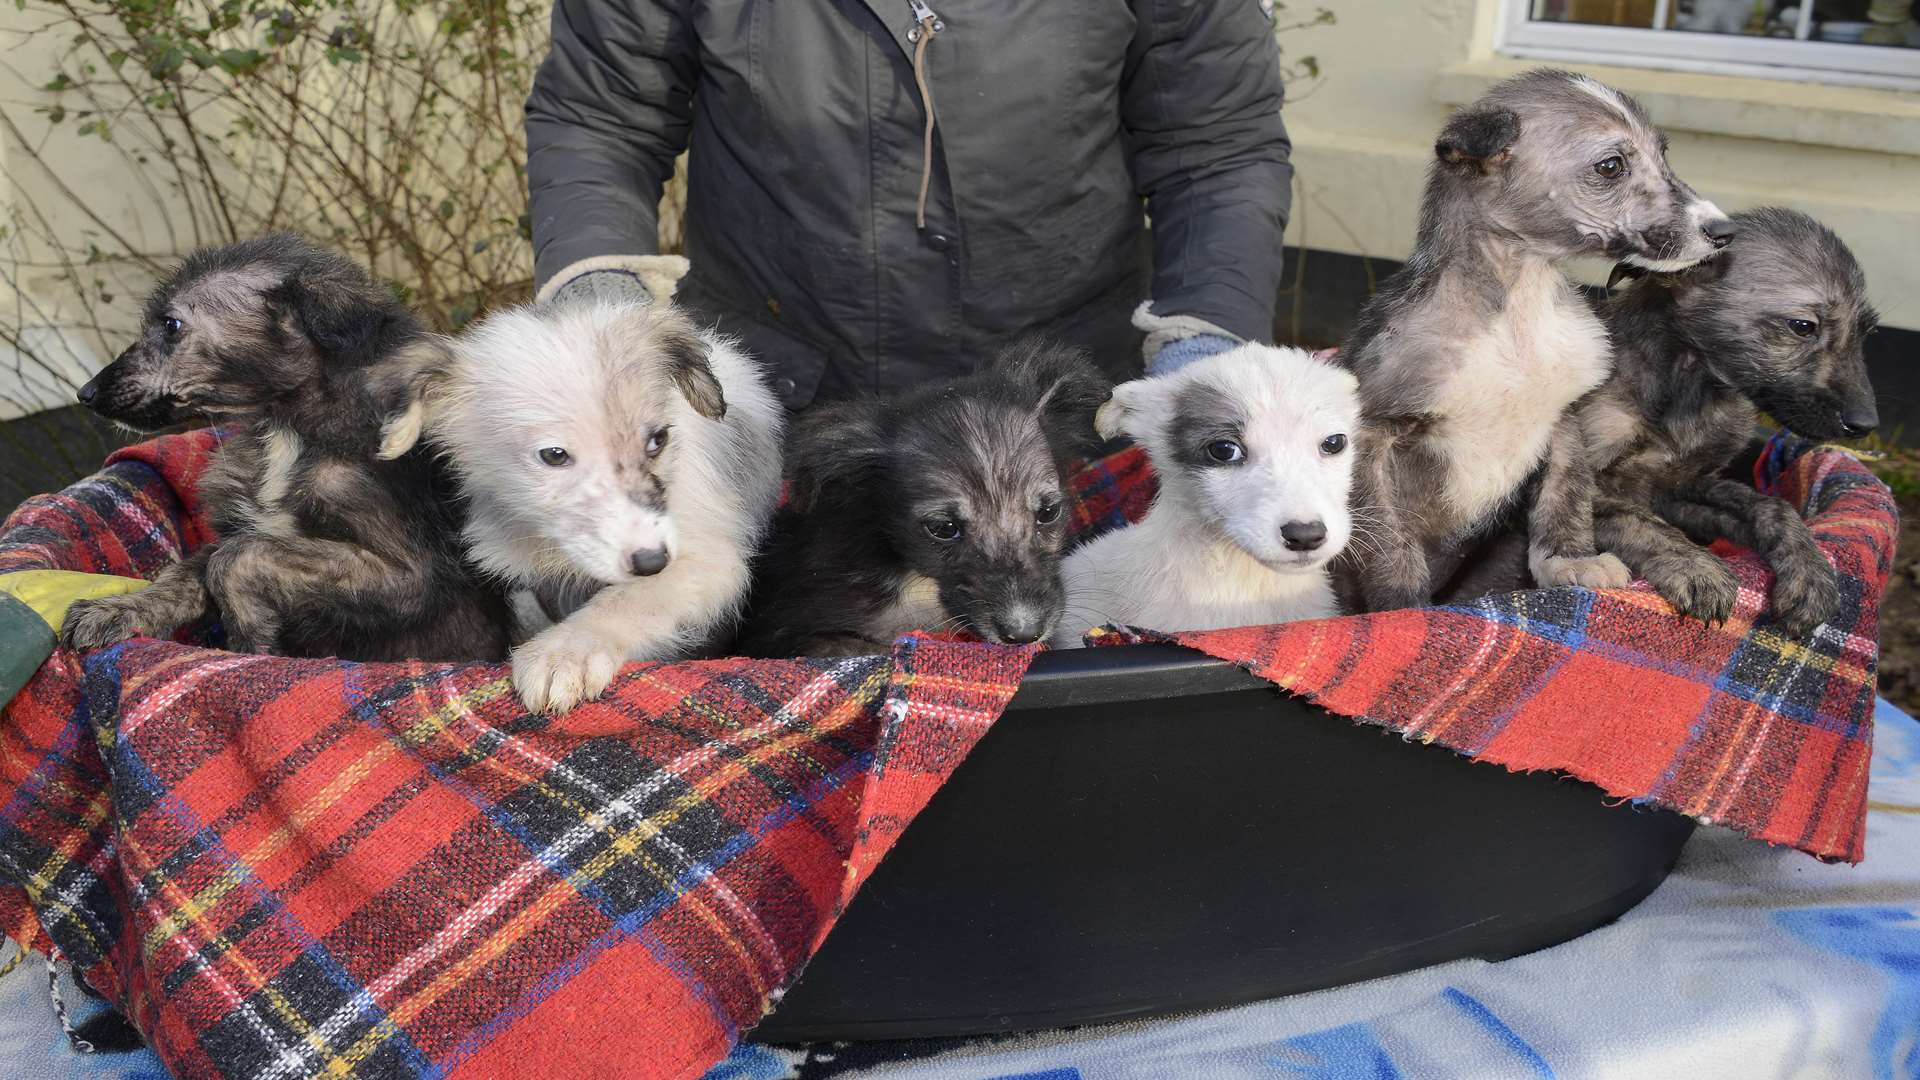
(1900, 611)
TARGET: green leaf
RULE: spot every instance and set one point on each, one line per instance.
(116, 58)
(56, 114)
(461, 314)
(282, 28)
(343, 56)
(167, 62)
(60, 82)
(481, 245)
(241, 61)
(446, 208)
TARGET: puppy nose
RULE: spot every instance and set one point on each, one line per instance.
(89, 391)
(1017, 631)
(1303, 535)
(648, 561)
(1720, 231)
(1859, 420)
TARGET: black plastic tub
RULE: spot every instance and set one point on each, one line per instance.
(1148, 830)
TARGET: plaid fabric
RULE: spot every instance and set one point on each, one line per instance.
(1738, 725)
(284, 867)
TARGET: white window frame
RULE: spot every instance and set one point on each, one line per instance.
(1800, 60)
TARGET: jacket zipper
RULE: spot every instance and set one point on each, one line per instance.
(921, 13)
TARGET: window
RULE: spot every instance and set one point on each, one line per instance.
(1863, 42)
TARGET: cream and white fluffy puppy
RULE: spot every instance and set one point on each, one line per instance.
(1252, 451)
(605, 445)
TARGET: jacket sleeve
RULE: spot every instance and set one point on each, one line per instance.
(1200, 104)
(609, 112)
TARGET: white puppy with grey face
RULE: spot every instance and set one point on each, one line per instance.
(609, 445)
(1252, 450)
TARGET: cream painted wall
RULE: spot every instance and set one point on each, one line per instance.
(65, 351)
(1362, 139)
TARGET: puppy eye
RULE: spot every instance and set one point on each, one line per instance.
(945, 530)
(1226, 451)
(1333, 444)
(1048, 513)
(555, 456)
(1802, 327)
(172, 326)
(1610, 167)
(657, 443)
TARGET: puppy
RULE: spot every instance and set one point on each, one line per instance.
(1776, 323)
(1253, 452)
(611, 446)
(1471, 355)
(945, 510)
(323, 550)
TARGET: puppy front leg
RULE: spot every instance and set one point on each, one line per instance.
(177, 596)
(1806, 590)
(1702, 523)
(1690, 577)
(1391, 565)
(657, 618)
(1560, 549)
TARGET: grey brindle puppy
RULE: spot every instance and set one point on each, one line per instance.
(1470, 357)
(323, 550)
(946, 509)
(1776, 323)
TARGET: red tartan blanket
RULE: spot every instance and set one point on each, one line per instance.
(286, 867)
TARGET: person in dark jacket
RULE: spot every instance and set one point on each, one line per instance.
(880, 193)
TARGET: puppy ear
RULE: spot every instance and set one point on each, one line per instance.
(1482, 138)
(409, 382)
(832, 445)
(1121, 411)
(1623, 271)
(338, 316)
(1071, 389)
(687, 353)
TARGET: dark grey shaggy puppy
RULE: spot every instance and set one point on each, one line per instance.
(1775, 323)
(324, 550)
(1471, 356)
(943, 510)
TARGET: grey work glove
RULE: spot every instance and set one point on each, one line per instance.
(620, 279)
(1174, 341)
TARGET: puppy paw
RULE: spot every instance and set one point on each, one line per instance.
(1602, 571)
(1804, 597)
(563, 666)
(1700, 585)
(94, 624)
